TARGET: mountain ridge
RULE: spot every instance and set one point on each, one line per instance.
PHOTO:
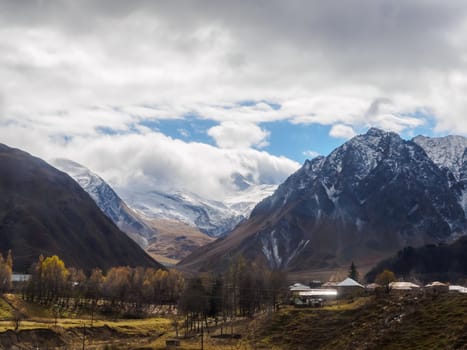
(368, 198)
(44, 211)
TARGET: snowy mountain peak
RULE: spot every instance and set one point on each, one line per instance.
(446, 152)
(378, 187)
(211, 217)
(375, 132)
(107, 200)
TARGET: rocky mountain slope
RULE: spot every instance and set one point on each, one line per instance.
(370, 197)
(167, 225)
(450, 154)
(174, 240)
(44, 211)
(108, 201)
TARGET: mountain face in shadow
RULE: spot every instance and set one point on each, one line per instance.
(44, 211)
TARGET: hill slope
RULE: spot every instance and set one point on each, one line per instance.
(443, 262)
(44, 211)
(372, 324)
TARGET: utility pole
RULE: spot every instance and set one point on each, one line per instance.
(202, 336)
(84, 334)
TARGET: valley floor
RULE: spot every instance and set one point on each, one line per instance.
(384, 322)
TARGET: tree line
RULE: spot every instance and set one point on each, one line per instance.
(121, 289)
(242, 291)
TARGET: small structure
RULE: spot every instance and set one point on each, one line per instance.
(172, 343)
(20, 277)
(457, 289)
(296, 288)
(372, 287)
(19, 280)
(315, 297)
(404, 288)
(350, 288)
(329, 284)
(436, 288)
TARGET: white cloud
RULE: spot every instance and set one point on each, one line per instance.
(164, 60)
(70, 68)
(239, 135)
(342, 131)
(152, 160)
(311, 154)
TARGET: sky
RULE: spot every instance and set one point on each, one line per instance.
(184, 95)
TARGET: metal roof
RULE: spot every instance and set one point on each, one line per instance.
(348, 282)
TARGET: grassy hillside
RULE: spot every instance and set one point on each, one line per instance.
(386, 323)
(369, 323)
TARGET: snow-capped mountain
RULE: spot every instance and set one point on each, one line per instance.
(446, 152)
(370, 197)
(450, 154)
(150, 217)
(107, 200)
(214, 218)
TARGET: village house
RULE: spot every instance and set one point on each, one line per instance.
(436, 288)
(350, 288)
(372, 287)
(316, 297)
(296, 288)
(404, 288)
(457, 289)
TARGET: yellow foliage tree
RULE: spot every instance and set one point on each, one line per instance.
(6, 268)
(54, 276)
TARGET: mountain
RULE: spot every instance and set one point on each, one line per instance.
(44, 211)
(450, 154)
(214, 218)
(165, 240)
(108, 201)
(441, 262)
(370, 197)
(174, 240)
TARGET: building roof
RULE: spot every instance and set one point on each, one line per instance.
(373, 286)
(348, 282)
(436, 284)
(403, 285)
(459, 289)
(319, 293)
(296, 287)
(330, 284)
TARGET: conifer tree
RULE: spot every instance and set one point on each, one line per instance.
(353, 273)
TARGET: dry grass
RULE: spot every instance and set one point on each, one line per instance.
(369, 323)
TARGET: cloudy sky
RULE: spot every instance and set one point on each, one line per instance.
(183, 94)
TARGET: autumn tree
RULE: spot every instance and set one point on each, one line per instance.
(48, 280)
(116, 284)
(6, 268)
(385, 278)
(54, 277)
